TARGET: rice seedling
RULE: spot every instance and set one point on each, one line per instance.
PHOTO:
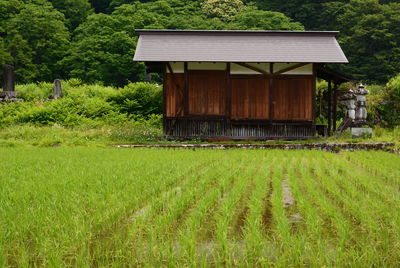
(162, 207)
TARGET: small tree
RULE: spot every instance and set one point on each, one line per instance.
(223, 9)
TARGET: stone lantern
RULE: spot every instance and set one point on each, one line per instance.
(349, 101)
(357, 129)
(361, 111)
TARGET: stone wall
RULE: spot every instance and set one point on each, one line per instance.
(329, 147)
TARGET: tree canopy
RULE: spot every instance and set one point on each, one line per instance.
(94, 40)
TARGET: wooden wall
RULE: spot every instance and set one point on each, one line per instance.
(173, 94)
(292, 98)
(207, 92)
(215, 93)
(250, 98)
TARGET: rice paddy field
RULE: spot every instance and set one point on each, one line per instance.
(106, 207)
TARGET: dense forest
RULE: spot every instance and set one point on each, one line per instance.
(94, 40)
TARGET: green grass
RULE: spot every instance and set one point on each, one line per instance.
(100, 134)
(105, 207)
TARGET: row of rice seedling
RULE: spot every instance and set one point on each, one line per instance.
(369, 222)
(109, 207)
(345, 199)
(377, 164)
(225, 216)
(161, 236)
(372, 187)
(383, 229)
(335, 234)
(258, 219)
(192, 246)
(147, 229)
(137, 223)
(316, 231)
(61, 198)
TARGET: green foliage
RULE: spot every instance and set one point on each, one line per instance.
(100, 6)
(369, 39)
(75, 11)
(251, 18)
(35, 91)
(102, 50)
(36, 38)
(223, 9)
(5, 56)
(139, 98)
(83, 104)
(384, 104)
(313, 14)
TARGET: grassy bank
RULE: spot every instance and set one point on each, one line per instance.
(85, 135)
(139, 132)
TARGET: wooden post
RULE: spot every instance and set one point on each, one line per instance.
(165, 132)
(270, 93)
(228, 99)
(334, 105)
(8, 78)
(186, 90)
(314, 92)
(57, 89)
(228, 90)
(329, 107)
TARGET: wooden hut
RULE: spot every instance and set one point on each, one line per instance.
(239, 84)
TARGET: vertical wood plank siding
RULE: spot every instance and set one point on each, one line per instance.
(207, 92)
(173, 97)
(218, 104)
(292, 98)
(250, 98)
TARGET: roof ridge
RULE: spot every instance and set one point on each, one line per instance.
(179, 31)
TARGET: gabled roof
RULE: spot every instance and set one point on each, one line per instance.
(238, 46)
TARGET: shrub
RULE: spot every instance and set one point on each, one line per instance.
(81, 103)
(74, 87)
(384, 104)
(35, 92)
(139, 98)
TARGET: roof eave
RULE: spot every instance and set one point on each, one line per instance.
(315, 62)
(200, 32)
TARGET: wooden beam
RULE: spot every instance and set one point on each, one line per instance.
(334, 116)
(270, 85)
(329, 107)
(170, 68)
(314, 91)
(298, 65)
(270, 102)
(228, 97)
(252, 68)
(165, 100)
(180, 90)
(185, 90)
(228, 90)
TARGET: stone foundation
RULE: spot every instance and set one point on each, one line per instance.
(9, 96)
(359, 132)
(329, 147)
